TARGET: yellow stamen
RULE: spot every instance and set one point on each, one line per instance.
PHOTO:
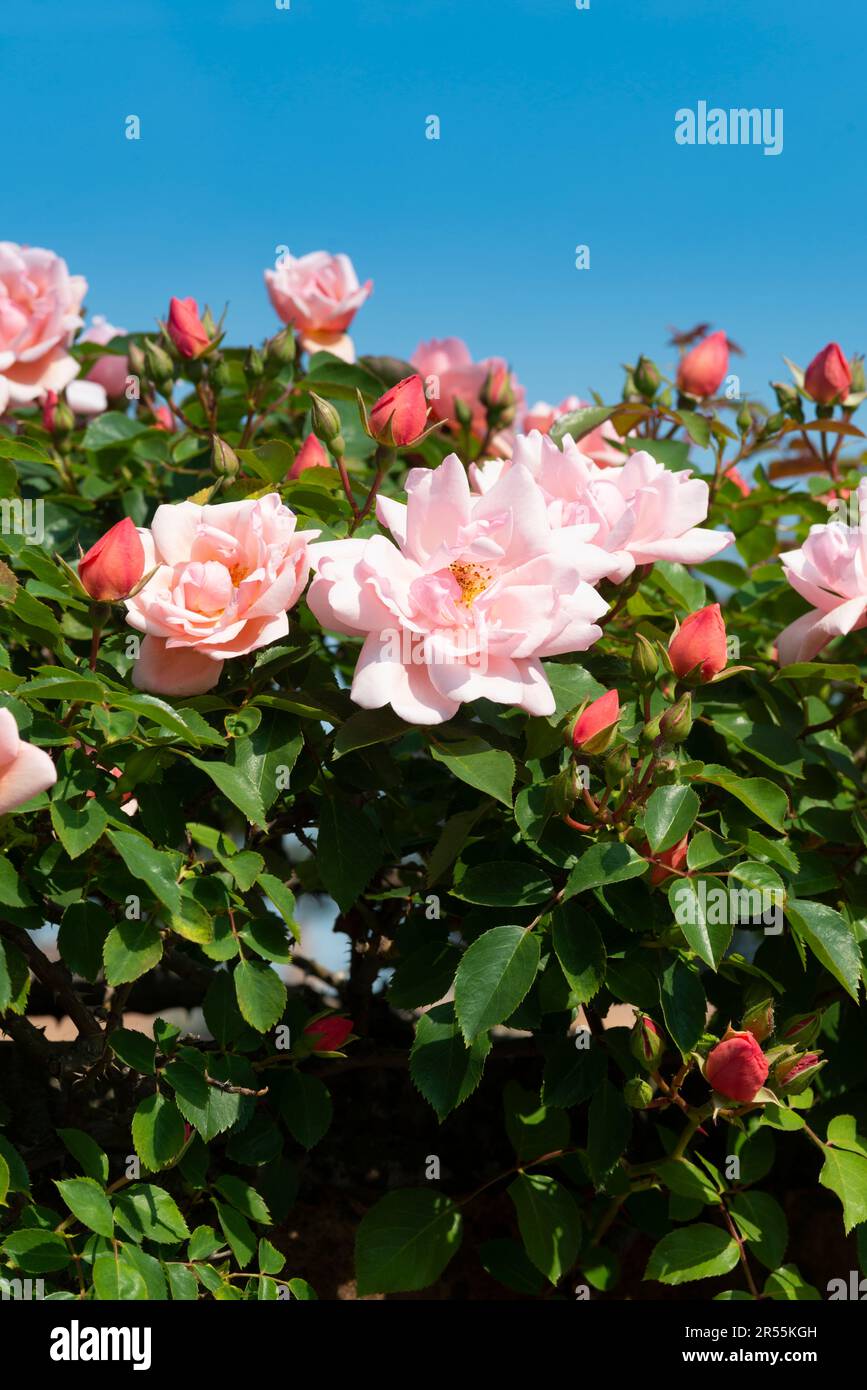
(473, 579)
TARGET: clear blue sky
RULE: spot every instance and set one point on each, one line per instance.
(307, 127)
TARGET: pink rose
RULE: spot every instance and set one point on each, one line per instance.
(114, 565)
(40, 310)
(311, 455)
(319, 295)
(450, 374)
(699, 647)
(597, 445)
(701, 370)
(472, 594)
(641, 511)
(829, 376)
(830, 572)
(598, 717)
(110, 372)
(24, 770)
(737, 1067)
(227, 576)
(185, 327)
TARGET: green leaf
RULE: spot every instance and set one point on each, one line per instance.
(508, 1263)
(305, 1105)
(13, 893)
(425, 975)
(786, 1285)
(204, 1242)
(37, 1252)
(696, 904)
(234, 785)
(580, 950)
(182, 1282)
(111, 428)
(475, 762)
(495, 973)
(265, 758)
(609, 1128)
(830, 938)
(668, 816)
(238, 1232)
(82, 938)
(88, 1204)
(441, 1065)
(116, 1279)
(157, 1132)
(766, 800)
(503, 884)
(152, 866)
(845, 1174)
(283, 899)
(533, 1128)
(692, 1252)
(549, 1222)
(137, 1050)
(367, 727)
(348, 850)
(270, 1260)
(78, 828)
(86, 1153)
(688, 1181)
(607, 862)
(243, 1198)
(405, 1242)
(762, 1222)
(147, 1212)
(131, 950)
(261, 994)
(4, 1181)
(684, 1006)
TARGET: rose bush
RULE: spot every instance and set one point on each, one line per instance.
(559, 720)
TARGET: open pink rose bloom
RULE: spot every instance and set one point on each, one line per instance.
(225, 576)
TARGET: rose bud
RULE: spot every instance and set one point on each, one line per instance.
(702, 369)
(164, 419)
(676, 722)
(646, 377)
(617, 766)
(224, 460)
(740, 482)
(158, 364)
(698, 648)
(399, 417)
(759, 1019)
(593, 730)
(24, 770)
(324, 419)
(794, 1075)
(646, 1042)
(330, 1033)
(310, 455)
(801, 1029)
(114, 565)
(737, 1067)
(829, 376)
(665, 865)
(48, 406)
(638, 1093)
(186, 329)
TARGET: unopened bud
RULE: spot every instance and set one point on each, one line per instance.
(646, 1043)
(676, 722)
(638, 1093)
(744, 419)
(644, 662)
(801, 1029)
(646, 377)
(324, 419)
(280, 351)
(759, 1019)
(254, 367)
(158, 363)
(616, 766)
(795, 1074)
(220, 375)
(224, 461)
(463, 413)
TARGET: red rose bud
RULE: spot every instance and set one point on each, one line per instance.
(801, 1029)
(646, 1043)
(829, 376)
(310, 455)
(702, 369)
(698, 648)
(186, 329)
(330, 1033)
(48, 406)
(676, 722)
(114, 565)
(796, 1074)
(759, 1020)
(164, 419)
(399, 417)
(593, 730)
(739, 481)
(665, 864)
(737, 1067)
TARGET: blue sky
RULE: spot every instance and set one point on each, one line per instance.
(306, 127)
